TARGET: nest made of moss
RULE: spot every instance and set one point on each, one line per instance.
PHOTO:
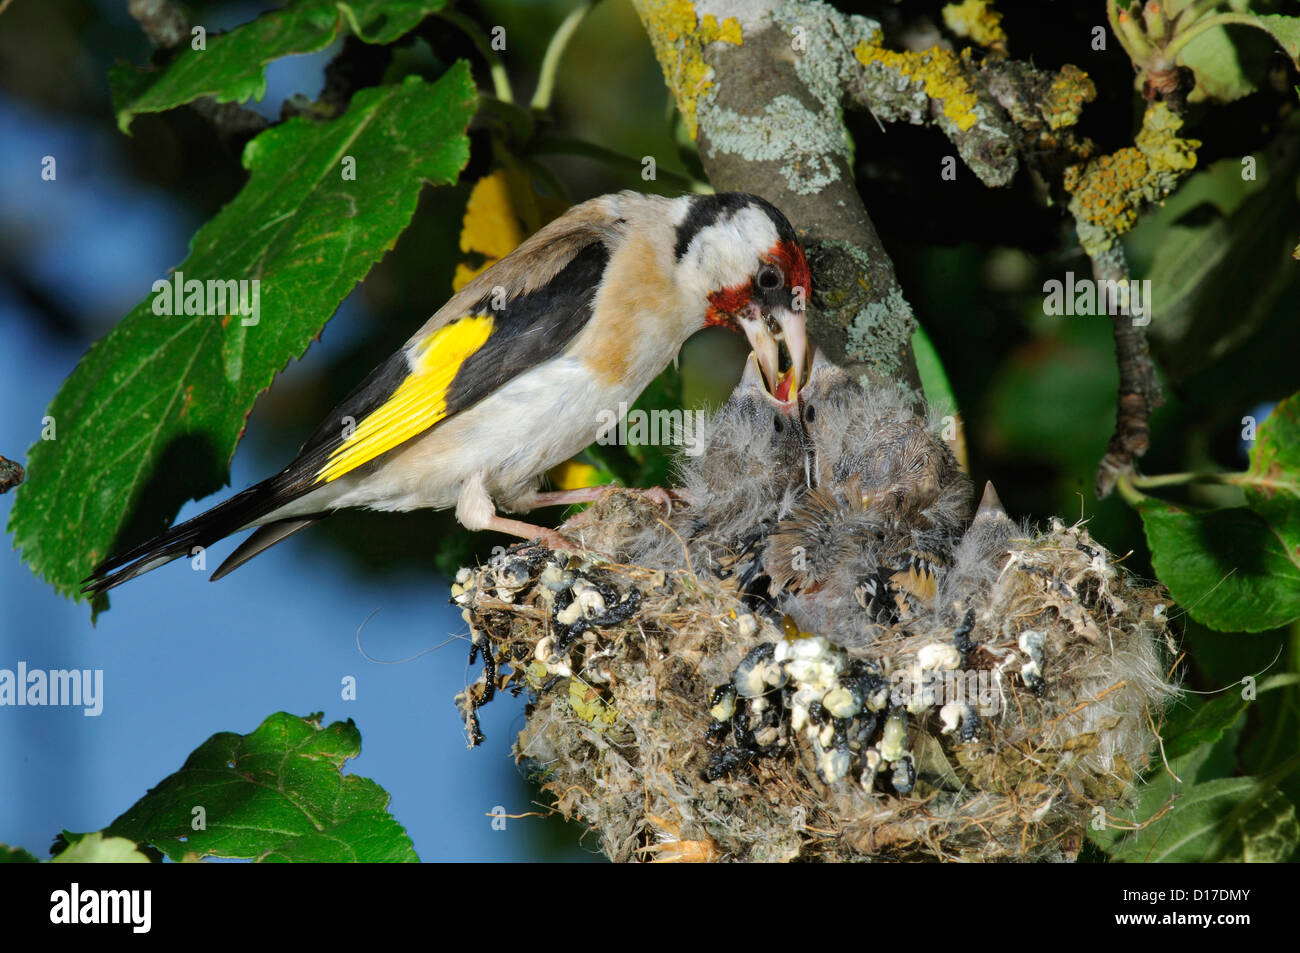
(679, 724)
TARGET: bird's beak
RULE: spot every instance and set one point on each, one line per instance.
(780, 342)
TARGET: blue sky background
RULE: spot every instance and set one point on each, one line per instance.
(184, 658)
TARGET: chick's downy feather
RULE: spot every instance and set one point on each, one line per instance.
(868, 544)
(748, 474)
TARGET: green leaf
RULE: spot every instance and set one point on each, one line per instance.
(934, 379)
(1168, 780)
(232, 67)
(1266, 832)
(1227, 568)
(1220, 255)
(277, 794)
(1272, 482)
(1239, 569)
(152, 413)
(1215, 60)
(1286, 31)
(1241, 819)
(1190, 726)
(1212, 57)
(16, 855)
(95, 848)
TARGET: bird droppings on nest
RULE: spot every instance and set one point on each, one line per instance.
(681, 711)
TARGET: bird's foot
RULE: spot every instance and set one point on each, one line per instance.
(547, 537)
(665, 497)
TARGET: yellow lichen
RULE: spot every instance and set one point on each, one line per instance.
(1159, 140)
(1110, 191)
(588, 705)
(977, 21)
(679, 37)
(939, 71)
(1066, 97)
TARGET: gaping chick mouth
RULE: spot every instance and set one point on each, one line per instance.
(787, 379)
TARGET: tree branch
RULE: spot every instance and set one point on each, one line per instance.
(760, 86)
(936, 87)
(11, 474)
(1139, 388)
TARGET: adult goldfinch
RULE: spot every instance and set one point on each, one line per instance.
(516, 372)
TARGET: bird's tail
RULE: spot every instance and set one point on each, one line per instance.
(183, 539)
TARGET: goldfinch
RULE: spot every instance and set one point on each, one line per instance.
(516, 372)
(979, 555)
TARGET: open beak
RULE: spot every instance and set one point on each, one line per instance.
(780, 342)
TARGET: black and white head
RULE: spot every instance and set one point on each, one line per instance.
(743, 259)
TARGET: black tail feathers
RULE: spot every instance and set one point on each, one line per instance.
(202, 531)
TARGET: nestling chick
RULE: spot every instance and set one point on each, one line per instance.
(978, 557)
(874, 441)
(751, 471)
(867, 545)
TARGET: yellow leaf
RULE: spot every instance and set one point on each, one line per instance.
(491, 226)
(502, 211)
(573, 475)
(465, 274)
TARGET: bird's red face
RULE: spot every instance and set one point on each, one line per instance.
(768, 307)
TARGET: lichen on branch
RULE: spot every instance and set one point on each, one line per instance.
(761, 85)
(1109, 192)
(679, 37)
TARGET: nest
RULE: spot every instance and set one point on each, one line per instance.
(678, 723)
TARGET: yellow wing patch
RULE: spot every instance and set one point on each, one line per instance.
(419, 402)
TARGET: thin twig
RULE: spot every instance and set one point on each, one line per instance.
(1139, 387)
(496, 68)
(554, 50)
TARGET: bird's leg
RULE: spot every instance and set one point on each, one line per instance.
(476, 511)
(538, 499)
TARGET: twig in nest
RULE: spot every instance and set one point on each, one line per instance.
(1139, 388)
